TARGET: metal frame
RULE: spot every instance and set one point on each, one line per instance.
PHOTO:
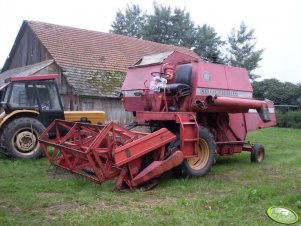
(100, 153)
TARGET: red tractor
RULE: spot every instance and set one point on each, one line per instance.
(194, 109)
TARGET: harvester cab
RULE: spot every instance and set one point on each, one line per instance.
(194, 110)
(173, 81)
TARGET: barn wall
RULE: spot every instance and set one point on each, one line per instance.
(69, 100)
(64, 87)
(50, 69)
(113, 108)
(72, 102)
(29, 51)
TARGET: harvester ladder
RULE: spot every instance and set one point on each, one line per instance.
(189, 133)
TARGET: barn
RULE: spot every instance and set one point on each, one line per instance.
(91, 65)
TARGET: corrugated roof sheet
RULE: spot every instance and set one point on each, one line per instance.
(24, 71)
(79, 48)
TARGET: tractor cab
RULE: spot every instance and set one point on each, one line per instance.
(29, 104)
(36, 93)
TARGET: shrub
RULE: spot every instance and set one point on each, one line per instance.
(288, 119)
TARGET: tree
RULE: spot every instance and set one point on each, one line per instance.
(242, 50)
(130, 23)
(298, 93)
(169, 26)
(208, 44)
(279, 92)
(175, 27)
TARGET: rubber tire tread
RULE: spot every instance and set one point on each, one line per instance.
(184, 170)
(9, 130)
(256, 148)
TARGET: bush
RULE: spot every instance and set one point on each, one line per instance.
(288, 119)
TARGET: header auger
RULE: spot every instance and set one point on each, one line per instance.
(194, 110)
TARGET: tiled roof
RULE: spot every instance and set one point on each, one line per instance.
(88, 58)
(78, 48)
(96, 83)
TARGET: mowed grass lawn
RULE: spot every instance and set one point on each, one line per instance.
(235, 192)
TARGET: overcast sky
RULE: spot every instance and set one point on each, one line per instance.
(277, 24)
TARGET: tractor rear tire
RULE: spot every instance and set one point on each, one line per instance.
(201, 164)
(20, 138)
(257, 153)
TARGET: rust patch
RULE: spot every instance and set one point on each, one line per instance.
(128, 153)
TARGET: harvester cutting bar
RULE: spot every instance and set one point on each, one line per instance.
(84, 148)
(100, 153)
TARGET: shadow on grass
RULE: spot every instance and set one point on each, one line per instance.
(236, 159)
(3, 156)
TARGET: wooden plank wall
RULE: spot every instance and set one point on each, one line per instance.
(29, 51)
(113, 108)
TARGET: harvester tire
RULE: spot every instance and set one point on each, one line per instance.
(201, 164)
(20, 138)
(257, 153)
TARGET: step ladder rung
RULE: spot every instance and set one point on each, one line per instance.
(189, 140)
(188, 123)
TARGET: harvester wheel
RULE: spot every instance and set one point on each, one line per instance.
(257, 153)
(20, 138)
(201, 164)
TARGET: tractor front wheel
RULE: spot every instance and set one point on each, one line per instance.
(20, 138)
(201, 164)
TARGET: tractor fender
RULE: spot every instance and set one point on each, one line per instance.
(16, 113)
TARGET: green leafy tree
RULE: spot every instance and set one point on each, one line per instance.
(129, 23)
(208, 44)
(299, 93)
(242, 50)
(174, 26)
(279, 92)
(169, 26)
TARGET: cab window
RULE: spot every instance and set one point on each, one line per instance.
(23, 95)
(48, 96)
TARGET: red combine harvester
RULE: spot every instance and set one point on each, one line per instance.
(193, 109)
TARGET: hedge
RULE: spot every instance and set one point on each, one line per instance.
(288, 119)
